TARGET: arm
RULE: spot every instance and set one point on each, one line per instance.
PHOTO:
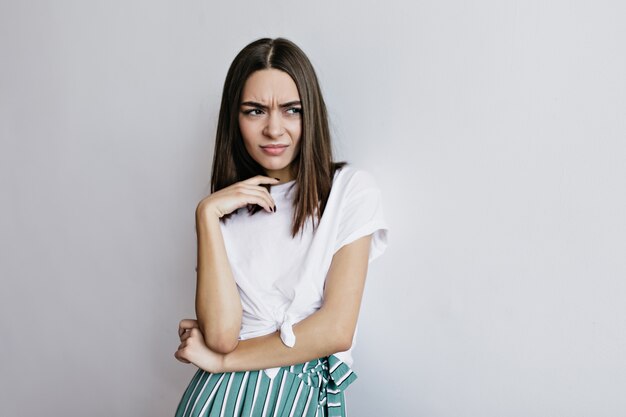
(218, 306)
(329, 330)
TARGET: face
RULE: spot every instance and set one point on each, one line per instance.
(270, 121)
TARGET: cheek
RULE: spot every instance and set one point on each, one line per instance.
(297, 135)
(247, 133)
(295, 128)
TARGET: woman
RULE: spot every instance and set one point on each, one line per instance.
(278, 291)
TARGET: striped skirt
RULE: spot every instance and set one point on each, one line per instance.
(311, 389)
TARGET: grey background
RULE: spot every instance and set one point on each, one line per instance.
(496, 130)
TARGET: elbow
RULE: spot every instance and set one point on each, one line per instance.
(343, 344)
(343, 337)
(222, 341)
(222, 345)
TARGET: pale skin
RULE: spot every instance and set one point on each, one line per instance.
(269, 114)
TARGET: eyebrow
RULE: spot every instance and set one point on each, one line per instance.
(264, 107)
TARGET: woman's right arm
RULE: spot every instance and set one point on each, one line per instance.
(218, 306)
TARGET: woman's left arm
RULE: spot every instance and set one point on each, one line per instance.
(329, 330)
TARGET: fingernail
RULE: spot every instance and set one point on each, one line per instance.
(277, 178)
(275, 207)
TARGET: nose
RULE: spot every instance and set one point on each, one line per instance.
(274, 127)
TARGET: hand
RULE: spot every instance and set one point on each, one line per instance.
(193, 349)
(238, 195)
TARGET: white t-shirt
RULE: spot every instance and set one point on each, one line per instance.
(280, 278)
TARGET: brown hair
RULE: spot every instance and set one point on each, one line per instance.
(313, 167)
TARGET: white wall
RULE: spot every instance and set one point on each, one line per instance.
(496, 130)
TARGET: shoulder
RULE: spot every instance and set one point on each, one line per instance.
(352, 179)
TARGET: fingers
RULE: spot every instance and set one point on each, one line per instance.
(189, 332)
(253, 194)
(185, 343)
(186, 324)
(261, 179)
(179, 355)
(181, 349)
(238, 195)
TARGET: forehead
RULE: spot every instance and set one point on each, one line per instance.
(268, 85)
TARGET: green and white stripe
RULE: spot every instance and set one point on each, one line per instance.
(311, 389)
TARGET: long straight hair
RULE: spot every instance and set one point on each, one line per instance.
(313, 166)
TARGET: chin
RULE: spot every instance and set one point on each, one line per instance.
(274, 165)
(274, 168)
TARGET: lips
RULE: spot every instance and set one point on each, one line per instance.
(274, 150)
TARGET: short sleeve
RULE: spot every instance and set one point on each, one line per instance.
(362, 214)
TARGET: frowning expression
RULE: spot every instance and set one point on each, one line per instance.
(270, 121)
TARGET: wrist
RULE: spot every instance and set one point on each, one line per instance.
(212, 363)
(206, 214)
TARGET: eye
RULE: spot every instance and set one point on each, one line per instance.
(253, 112)
(294, 110)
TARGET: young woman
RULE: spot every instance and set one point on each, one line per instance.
(278, 291)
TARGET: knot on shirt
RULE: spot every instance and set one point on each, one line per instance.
(286, 332)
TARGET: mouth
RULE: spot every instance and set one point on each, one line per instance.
(274, 150)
